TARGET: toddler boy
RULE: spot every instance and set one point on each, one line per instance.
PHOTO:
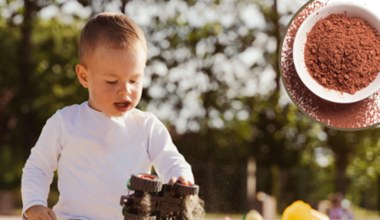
(97, 145)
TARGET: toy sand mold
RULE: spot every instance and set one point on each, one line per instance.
(345, 115)
(152, 200)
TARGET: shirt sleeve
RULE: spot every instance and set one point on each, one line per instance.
(166, 159)
(39, 169)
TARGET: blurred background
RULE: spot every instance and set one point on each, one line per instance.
(213, 77)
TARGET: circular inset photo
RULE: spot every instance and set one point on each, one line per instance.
(334, 55)
(329, 62)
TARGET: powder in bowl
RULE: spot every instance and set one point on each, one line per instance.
(336, 52)
(343, 53)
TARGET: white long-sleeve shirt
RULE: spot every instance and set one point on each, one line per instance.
(94, 156)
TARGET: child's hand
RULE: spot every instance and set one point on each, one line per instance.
(40, 212)
(180, 179)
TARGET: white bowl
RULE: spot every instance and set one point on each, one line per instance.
(352, 10)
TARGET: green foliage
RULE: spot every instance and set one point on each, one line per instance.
(10, 171)
(29, 98)
(205, 79)
(55, 71)
(364, 168)
(8, 85)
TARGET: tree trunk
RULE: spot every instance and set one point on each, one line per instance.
(277, 35)
(7, 202)
(26, 93)
(251, 183)
(339, 142)
(341, 163)
(123, 7)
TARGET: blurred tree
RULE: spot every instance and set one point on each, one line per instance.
(343, 145)
(36, 79)
(364, 166)
(215, 66)
(212, 75)
(8, 39)
(204, 76)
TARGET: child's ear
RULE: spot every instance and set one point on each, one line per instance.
(82, 75)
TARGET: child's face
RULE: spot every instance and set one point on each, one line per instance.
(113, 78)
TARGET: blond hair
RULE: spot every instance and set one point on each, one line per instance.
(112, 30)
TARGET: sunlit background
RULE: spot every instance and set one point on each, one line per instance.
(213, 77)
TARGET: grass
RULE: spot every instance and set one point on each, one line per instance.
(219, 216)
(359, 214)
(363, 214)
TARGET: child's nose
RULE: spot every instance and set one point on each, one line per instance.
(125, 90)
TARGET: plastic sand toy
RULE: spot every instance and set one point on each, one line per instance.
(300, 210)
(149, 199)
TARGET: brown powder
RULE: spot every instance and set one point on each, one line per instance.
(351, 116)
(343, 53)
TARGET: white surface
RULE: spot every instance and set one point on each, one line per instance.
(357, 9)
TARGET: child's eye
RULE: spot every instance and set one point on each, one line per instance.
(111, 82)
(133, 81)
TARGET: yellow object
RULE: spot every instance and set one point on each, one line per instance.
(300, 210)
